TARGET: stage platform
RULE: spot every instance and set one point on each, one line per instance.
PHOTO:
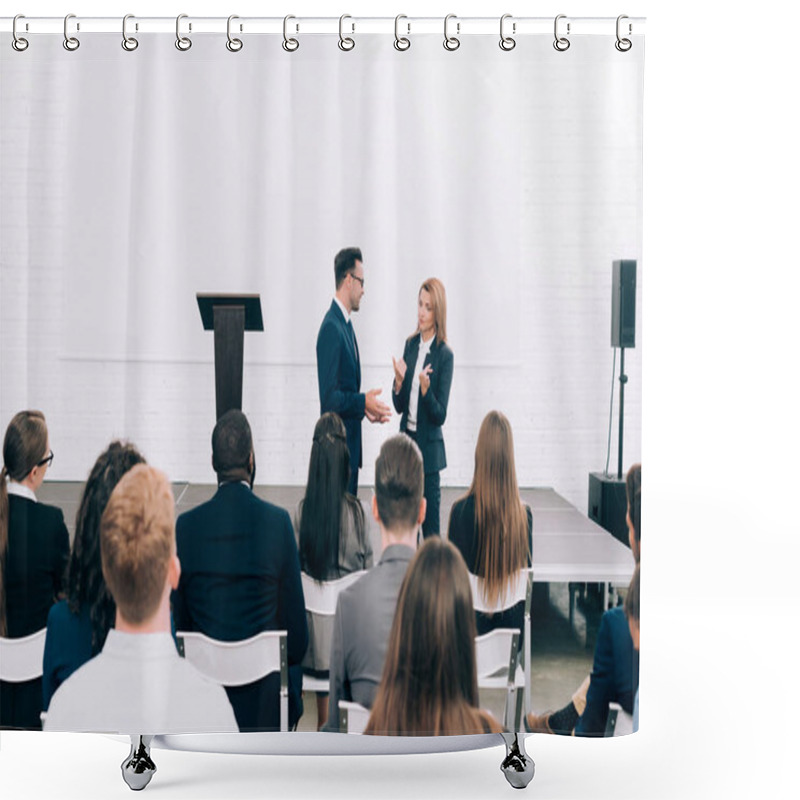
(568, 547)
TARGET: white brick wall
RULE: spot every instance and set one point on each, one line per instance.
(518, 201)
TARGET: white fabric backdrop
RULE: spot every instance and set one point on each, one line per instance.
(130, 181)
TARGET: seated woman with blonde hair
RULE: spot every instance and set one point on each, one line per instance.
(430, 685)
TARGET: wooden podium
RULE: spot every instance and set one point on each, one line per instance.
(229, 316)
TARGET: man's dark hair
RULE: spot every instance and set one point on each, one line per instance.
(231, 446)
(399, 482)
(345, 262)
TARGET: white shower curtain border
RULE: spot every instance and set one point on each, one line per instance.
(466, 26)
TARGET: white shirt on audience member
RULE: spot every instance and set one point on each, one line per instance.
(139, 684)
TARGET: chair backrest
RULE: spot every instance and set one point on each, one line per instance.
(619, 722)
(21, 659)
(235, 663)
(240, 663)
(496, 656)
(521, 588)
(353, 717)
(321, 597)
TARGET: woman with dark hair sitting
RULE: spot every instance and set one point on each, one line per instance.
(429, 685)
(77, 627)
(491, 526)
(331, 525)
(34, 546)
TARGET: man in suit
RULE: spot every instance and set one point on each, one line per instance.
(241, 574)
(365, 610)
(338, 362)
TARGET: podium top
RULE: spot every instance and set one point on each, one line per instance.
(251, 303)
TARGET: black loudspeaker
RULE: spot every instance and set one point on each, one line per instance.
(608, 505)
(623, 304)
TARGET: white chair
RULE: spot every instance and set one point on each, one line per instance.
(521, 588)
(321, 601)
(240, 663)
(619, 722)
(21, 659)
(497, 661)
(353, 717)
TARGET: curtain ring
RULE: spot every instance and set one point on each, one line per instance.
(289, 45)
(623, 45)
(71, 43)
(346, 43)
(128, 42)
(507, 42)
(401, 42)
(233, 44)
(561, 43)
(183, 43)
(451, 42)
(17, 41)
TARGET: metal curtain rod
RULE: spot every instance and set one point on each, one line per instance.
(462, 26)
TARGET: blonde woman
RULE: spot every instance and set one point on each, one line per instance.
(421, 391)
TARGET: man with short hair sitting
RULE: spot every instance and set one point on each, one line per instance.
(365, 610)
(139, 684)
(241, 574)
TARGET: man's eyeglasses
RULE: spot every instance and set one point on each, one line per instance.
(356, 278)
(48, 459)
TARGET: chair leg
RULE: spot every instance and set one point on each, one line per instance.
(518, 766)
(138, 768)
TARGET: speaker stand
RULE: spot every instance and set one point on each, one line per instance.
(623, 379)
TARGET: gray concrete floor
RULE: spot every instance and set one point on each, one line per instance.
(561, 653)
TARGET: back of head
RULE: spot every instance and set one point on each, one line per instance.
(633, 492)
(24, 446)
(137, 540)
(399, 483)
(344, 262)
(231, 446)
(85, 585)
(429, 684)
(326, 496)
(632, 598)
(501, 521)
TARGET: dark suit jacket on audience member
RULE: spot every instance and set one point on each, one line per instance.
(38, 548)
(339, 378)
(432, 407)
(462, 533)
(240, 575)
(615, 673)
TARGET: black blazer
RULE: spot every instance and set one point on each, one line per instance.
(38, 549)
(339, 378)
(240, 575)
(432, 407)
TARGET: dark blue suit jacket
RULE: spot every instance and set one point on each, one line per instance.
(240, 575)
(339, 378)
(432, 407)
(615, 673)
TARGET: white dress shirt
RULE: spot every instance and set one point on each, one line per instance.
(413, 398)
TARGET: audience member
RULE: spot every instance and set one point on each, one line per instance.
(491, 526)
(34, 547)
(139, 683)
(241, 574)
(365, 610)
(632, 613)
(430, 685)
(332, 535)
(77, 627)
(615, 671)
